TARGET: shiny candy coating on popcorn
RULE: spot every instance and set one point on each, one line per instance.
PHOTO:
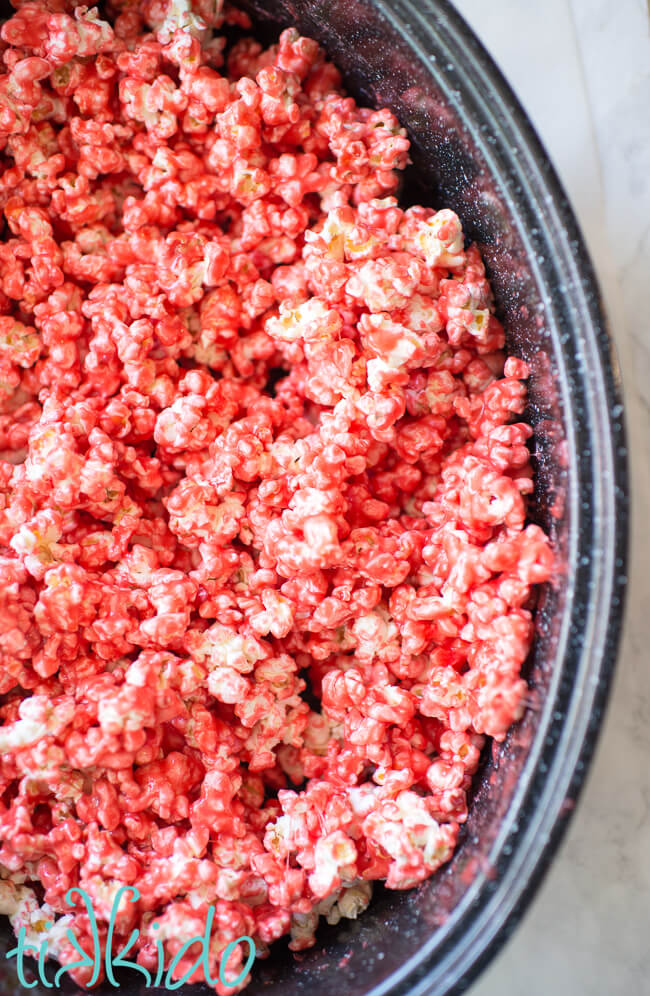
(266, 581)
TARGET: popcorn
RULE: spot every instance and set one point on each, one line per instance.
(415, 842)
(265, 568)
(440, 239)
(335, 858)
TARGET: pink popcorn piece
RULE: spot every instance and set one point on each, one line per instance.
(266, 578)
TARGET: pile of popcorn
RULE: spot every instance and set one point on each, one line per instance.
(265, 572)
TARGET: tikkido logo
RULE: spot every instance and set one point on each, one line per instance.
(111, 962)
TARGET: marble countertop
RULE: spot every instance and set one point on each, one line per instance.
(582, 70)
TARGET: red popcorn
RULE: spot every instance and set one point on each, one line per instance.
(266, 582)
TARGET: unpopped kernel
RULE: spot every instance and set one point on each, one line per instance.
(266, 573)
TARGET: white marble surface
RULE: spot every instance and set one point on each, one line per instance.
(582, 70)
